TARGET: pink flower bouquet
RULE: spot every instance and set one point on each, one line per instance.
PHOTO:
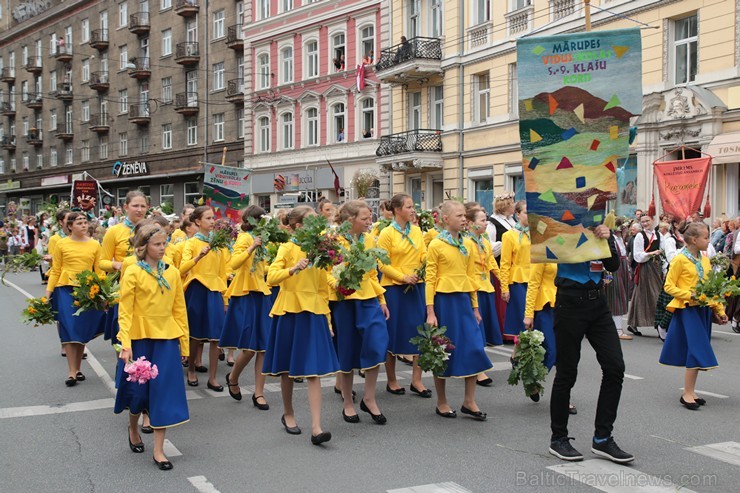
(141, 371)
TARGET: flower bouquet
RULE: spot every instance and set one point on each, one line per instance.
(223, 236)
(720, 262)
(357, 262)
(268, 229)
(95, 292)
(426, 218)
(319, 243)
(140, 371)
(527, 362)
(21, 263)
(434, 348)
(715, 289)
(38, 312)
(421, 273)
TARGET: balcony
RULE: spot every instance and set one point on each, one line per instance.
(412, 150)
(187, 8)
(235, 37)
(8, 108)
(562, 8)
(139, 114)
(8, 75)
(62, 53)
(520, 21)
(99, 39)
(186, 103)
(187, 53)
(99, 81)
(65, 132)
(99, 123)
(63, 93)
(139, 23)
(417, 58)
(34, 100)
(33, 65)
(139, 68)
(8, 142)
(235, 91)
(35, 137)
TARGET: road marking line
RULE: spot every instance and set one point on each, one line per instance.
(19, 412)
(633, 377)
(170, 450)
(19, 289)
(725, 333)
(726, 451)
(710, 394)
(614, 478)
(100, 372)
(448, 487)
(202, 485)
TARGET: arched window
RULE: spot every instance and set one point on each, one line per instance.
(264, 134)
(286, 122)
(367, 116)
(287, 65)
(338, 122)
(263, 70)
(312, 127)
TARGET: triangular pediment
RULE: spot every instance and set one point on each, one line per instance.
(335, 90)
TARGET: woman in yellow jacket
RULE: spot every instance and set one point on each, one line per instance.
(404, 293)
(300, 344)
(247, 324)
(153, 324)
(359, 321)
(515, 245)
(205, 283)
(688, 343)
(452, 302)
(188, 230)
(72, 255)
(61, 218)
(431, 234)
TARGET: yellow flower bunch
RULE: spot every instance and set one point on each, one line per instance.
(95, 292)
(38, 312)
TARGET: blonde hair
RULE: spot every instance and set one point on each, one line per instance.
(448, 206)
(693, 230)
(351, 209)
(502, 203)
(144, 235)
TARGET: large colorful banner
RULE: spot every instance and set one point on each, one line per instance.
(226, 189)
(681, 185)
(84, 195)
(577, 93)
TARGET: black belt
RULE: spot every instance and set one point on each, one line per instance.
(586, 294)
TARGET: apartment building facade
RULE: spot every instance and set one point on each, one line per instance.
(453, 126)
(88, 87)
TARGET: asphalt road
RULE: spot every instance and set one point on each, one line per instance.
(60, 439)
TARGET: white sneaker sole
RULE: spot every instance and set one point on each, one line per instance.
(613, 459)
(565, 457)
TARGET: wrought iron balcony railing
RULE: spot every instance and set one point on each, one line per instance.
(414, 48)
(419, 140)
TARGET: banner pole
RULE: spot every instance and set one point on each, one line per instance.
(587, 13)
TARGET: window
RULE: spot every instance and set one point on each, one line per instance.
(2, 166)
(53, 119)
(414, 103)
(123, 101)
(167, 136)
(240, 123)
(484, 193)
(338, 50)
(437, 107)
(165, 4)
(338, 122)
(24, 56)
(53, 156)
(167, 42)
(287, 65)
(85, 151)
(414, 11)
(192, 131)
(69, 154)
(263, 70)
(144, 142)
(312, 59)
(85, 106)
(312, 124)
(167, 195)
(123, 57)
(368, 118)
(513, 91)
(263, 9)
(482, 10)
(39, 159)
(367, 43)
(286, 5)
(103, 145)
(166, 90)
(218, 127)
(685, 49)
(121, 193)
(26, 160)
(436, 19)
(218, 24)
(286, 122)
(218, 76)
(122, 14)
(86, 70)
(85, 28)
(482, 101)
(192, 193)
(104, 63)
(123, 144)
(264, 134)
(515, 5)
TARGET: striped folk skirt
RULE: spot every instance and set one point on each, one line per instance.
(617, 291)
(648, 285)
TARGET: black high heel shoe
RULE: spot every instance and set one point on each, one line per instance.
(292, 430)
(137, 448)
(261, 407)
(322, 437)
(477, 415)
(165, 465)
(237, 396)
(378, 418)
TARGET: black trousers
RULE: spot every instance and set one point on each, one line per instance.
(580, 313)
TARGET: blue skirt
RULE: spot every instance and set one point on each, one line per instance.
(489, 319)
(205, 312)
(300, 345)
(361, 335)
(110, 330)
(544, 321)
(163, 398)
(79, 329)
(469, 357)
(247, 324)
(408, 311)
(688, 341)
(514, 322)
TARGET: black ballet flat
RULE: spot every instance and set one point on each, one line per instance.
(84, 355)
(634, 330)
(477, 415)
(361, 374)
(378, 418)
(230, 363)
(234, 395)
(221, 356)
(298, 380)
(572, 409)
(70, 382)
(700, 401)
(165, 465)
(339, 391)
(292, 430)
(535, 397)
(148, 430)
(400, 391)
(689, 405)
(261, 407)
(426, 393)
(185, 363)
(350, 419)
(215, 388)
(137, 448)
(201, 369)
(80, 377)
(321, 438)
(193, 383)
(448, 414)
(484, 383)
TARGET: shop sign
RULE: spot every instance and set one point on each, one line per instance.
(10, 185)
(54, 180)
(123, 169)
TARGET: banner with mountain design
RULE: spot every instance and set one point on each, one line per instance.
(577, 93)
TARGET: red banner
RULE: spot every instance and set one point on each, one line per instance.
(681, 185)
(84, 195)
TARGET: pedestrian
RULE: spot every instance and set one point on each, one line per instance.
(616, 288)
(452, 302)
(179, 235)
(501, 221)
(72, 255)
(733, 303)
(648, 278)
(688, 343)
(514, 269)
(247, 324)
(581, 311)
(404, 293)
(432, 233)
(359, 320)
(205, 284)
(154, 325)
(16, 242)
(4, 239)
(188, 228)
(668, 247)
(539, 310)
(300, 344)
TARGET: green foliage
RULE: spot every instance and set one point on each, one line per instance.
(319, 242)
(528, 362)
(382, 224)
(21, 263)
(167, 207)
(95, 292)
(357, 263)
(426, 218)
(38, 312)
(434, 348)
(715, 288)
(421, 273)
(223, 236)
(269, 231)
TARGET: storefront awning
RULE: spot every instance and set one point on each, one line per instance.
(725, 148)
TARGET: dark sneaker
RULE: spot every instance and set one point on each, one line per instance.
(610, 450)
(562, 449)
